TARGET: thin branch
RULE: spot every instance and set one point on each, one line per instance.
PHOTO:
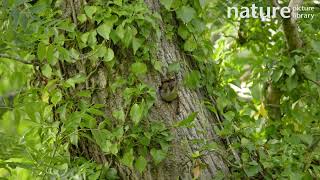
(18, 59)
(290, 26)
(315, 82)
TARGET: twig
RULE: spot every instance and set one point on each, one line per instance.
(315, 82)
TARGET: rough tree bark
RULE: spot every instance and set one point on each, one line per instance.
(177, 164)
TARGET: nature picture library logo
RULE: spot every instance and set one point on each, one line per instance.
(265, 13)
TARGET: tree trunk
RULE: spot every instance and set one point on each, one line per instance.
(177, 164)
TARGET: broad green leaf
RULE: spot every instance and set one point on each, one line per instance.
(187, 122)
(92, 40)
(192, 79)
(120, 31)
(166, 3)
(88, 121)
(82, 18)
(276, 75)
(101, 51)
(74, 54)
(139, 68)
(183, 32)
(140, 164)
(128, 158)
(50, 54)
(306, 138)
(252, 170)
(84, 37)
(84, 93)
(79, 78)
(157, 65)
(292, 83)
(105, 29)
(186, 13)
(56, 97)
(95, 111)
(101, 137)
(136, 113)
(190, 45)
(74, 138)
(316, 46)
(42, 51)
(119, 114)
(158, 155)
(90, 10)
(109, 55)
(174, 67)
(67, 26)
(46, 70)
(309, 72)
(128, 35)
(203, 3)
(136, 44)
(114, 149)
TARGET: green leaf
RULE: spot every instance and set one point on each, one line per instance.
(292, 83)
(174, 67)
(139, 68)
(105, 29)
(90, 10)
(119, 114)
(136, 44)
(183, 32)
(101, 51)
(88, 121)
(101, 138)
(50, 54)
(166, 3)
(92, 40)
(158, 155)
(46, 70)
(306, 138)
(252, 170)
(79, 78)
(74, 53)
(74, 138)
(186, 13)
(276, 75)
(128, 158)
(120, 31)
(114, 149)
(109, 55)
(42, 51)
(141, 164)
(56, 97)
(84, 37)
(96, 112)
(190, 45)
(82, 18)
(136, 113)
(316, 45)
(192, 79)
(157, 65)
(203, 3)
(187, 122)
(67, 26)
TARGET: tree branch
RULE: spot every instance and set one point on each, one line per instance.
(18, 59)
(290, 26)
